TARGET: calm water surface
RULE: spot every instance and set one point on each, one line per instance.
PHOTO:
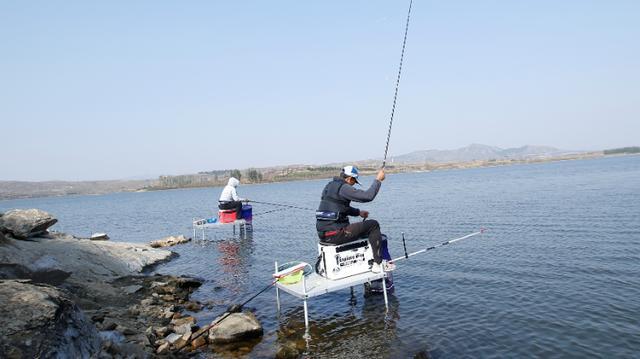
(557, 275)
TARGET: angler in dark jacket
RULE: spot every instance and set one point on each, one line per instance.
(335, 208)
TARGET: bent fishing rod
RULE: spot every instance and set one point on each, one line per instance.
(407, 255)
(395, 95)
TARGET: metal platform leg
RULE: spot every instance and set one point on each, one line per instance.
(306, 315)
(352, 300)
(306, 310)
(194, 233)
(203, 233)
(277, 291)
(384, 291)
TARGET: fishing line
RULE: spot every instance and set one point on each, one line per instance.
(271, 211)
(395, 96)
(282, 205)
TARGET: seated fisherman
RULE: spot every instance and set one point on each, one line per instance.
(229, 198)
(335, 207)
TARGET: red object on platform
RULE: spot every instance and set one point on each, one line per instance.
(227, 216)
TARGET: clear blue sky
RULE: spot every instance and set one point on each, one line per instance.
(116, 89)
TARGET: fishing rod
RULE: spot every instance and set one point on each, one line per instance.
(282, 205)
(232, 309)
(238, 307)
(395, 95)
(407, 255)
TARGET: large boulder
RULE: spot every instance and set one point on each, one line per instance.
(39, 321)
(169, 241)
(236, 327)
(25, 223)
(84, 259)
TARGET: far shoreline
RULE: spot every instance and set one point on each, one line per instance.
(390, 169)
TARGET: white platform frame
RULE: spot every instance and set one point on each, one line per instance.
(243, 227)
(313, 285)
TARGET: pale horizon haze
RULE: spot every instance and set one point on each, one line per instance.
(114, 90)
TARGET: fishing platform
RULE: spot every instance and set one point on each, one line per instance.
(226, 218)
(338, 267)
(314, 285)
(342, 266)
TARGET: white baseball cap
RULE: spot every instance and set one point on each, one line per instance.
(351, 171)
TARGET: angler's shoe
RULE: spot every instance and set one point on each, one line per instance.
(386, 266)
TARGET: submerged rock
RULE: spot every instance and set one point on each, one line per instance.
(169, 241)
(236, 327)
(39, 321)
(287, 351)
(23, 224)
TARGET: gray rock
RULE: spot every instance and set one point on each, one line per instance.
(111, 337)
(173, 337)
(198, 342)
(109, 325)
(162, 331)
(169, 241)
(182, 329)
(99, 237)
(85, 260)
(236, 327)
(191, 321)
(132, 289)
(182, 341)
(23, 224)
(163, 349)
(41, 321)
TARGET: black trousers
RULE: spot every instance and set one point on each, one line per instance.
(369, 228)
(237, 205)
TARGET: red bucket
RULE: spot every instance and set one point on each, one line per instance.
(227, 215)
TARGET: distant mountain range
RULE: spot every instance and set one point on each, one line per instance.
(478, 152)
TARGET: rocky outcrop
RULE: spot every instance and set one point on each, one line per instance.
(236, 327)
(169, 241)
(130, 315)
(40, 321)
(23, 224)
(45, 276)
(82, 258)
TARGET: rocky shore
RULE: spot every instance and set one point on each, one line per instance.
(65, 296)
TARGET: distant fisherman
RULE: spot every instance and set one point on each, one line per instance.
(335, 206)
(229, 197)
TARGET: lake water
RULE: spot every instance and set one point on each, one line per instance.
(556, 275)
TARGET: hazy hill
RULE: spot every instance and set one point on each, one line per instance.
(19, 189)
(477, 152)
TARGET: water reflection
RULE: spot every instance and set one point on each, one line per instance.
(372, 331)
(234, 259)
